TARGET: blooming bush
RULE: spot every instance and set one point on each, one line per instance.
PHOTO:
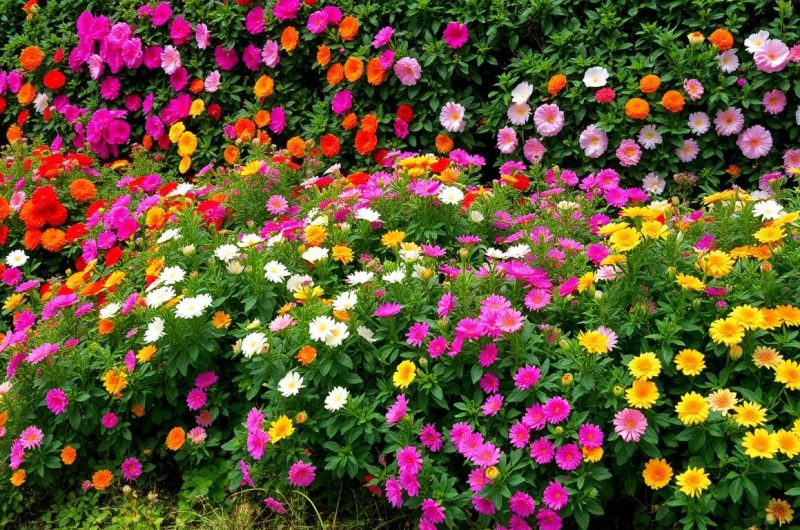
(507, 353)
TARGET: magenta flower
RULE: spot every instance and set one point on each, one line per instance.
(131, 468)
(205, 380)
(590, 435)
(492, 405)
(274, 505)
(430, 438)
(302, 474)
(226, 58)
(57, 401)
(388, 310)
(196, 399)
(526, 377)
(519, 434)
(109, 420)
(486, 455)
(409, 460)
(548, 520)
(41, 353)
(254, 20)
(394, 492)
(286, 9)
(30, 438)
(556, 410)
(630, 424)
(161, 14)
(397, 410)
(383, 37)
(542, 451)
(535, 417)
(483, 505)
(417, 334)
(257, 441)
(522, 504)
(555, 496)
(456, 35)
(342, 102)
(569, 457)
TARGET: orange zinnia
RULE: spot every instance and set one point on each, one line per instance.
(637, 108)
(264, 86)
(82, 190)
(650, 83)
(101, 480)
(306, 354)
(53, 239)
(335, 74)
(68, 455)
(673, 101)
(350, 121)
(366, 142)
(30, 58)
(231, 154)
(348, 28)
(244, 129)
(5, 209)
(262, 118)
(323, 55)
(26, 94)
(722, 39)
(296, 146)
(13, 133)
(330, 145)
(556, 84)
(353, 69)
(175, 438)
(289, 38)
(444, 144)
(369, 123)
(375, 74)
(32, 239)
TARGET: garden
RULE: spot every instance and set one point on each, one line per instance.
(508, 264)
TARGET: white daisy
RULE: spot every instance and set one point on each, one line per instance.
(315, 254)
(154, 331)
(296, 281)
(168, 235)
(172, 275)
(595, 77)
(250, 240)
(159, 297)
(728, 61)
(109, 310)
(336, 399)
(653, 184)
(253, 344)
(345, 301)
(16, 258)
(275, 271)
(320, 328)
(367, 214)
(768, 209)
(193, 306)
(755, 42)
(451, 195)
(517, 251)
(394, 276)
(337, 335)
(359, 277)
(234, 267)
(522, 92)
(699, 123)
(291, 384)
(649, 137)
(226, 252)
(365, 333)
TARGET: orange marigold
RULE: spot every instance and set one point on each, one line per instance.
(289, 38)
(348, 28)
(53, 239)
(32, 239)
(68, 455)
(82, 190)
(335, 74)
(444, 144)
(722, 39)
(329, 144)
(637, 108)
(673, 101)
(244, 129)
(30, 58)
(26, 94)
(353, 69)
(323, 55)
(13, 134)
(556, 84)
(350, 121)
(262, 118)
(366, 142)
(231, 154)
(650, 83)
(5, 209)
(264, 86)
(101, 480)
(196, 86)
(306, 354)
(375, 73)
(296, 146)
(369, 123)
(175, 438)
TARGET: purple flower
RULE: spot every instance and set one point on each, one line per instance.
(131, 468)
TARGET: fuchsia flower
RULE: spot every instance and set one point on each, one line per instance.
(388, 310)
(630, 424)
(542, 451)
(526, 377)
(109, 420)
(483, 505)
(397, 410)
(196, 399)
(286, 9)
(492, 405)
(383, 37)
(431, 438)
(548, 520)
(522, 504)
(131, 468)
(302, 474)
(257, 441)
(342, 102)
(555, 496)
(409, 460)
(569, 457)
(254, 20)
(519, 435)
(30, 438)
(274, 505)
(456, 35)
(432, 511)
(556, 410)
(394, 492)
(57, 401)
(590, 435)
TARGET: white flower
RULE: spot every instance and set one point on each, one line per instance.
(16, 258)
(367, 214)
(365, 333)
(595, 77)
(154, 331)
(394, 276)
(226, 252)
(336, 399)
(517, 251)
(728, 62)
(169, 234)
(755, 42)
(5, 388)
(253, 344)
(274, 240)
(181, 189)
(359, 277)
(797, 115)
(171, 275)
(495, 253)
(337, 334)
(475, 216)
(193, 306)
(234, 267)
(451, 195)
(699, 123)
(568, 205)
(160, 296)
(320, 328)
(275, 271)
(345, 301)
(519, 113)
(291, 384)
(410, 255)
(649, 137)
(335, 167)
(296, 281)
(521, 92)
(250, 240)
(768, 210)
(319, 220)
(606, 272)
(653, 184)
(41, 102)
(109, 310)
(315, 254)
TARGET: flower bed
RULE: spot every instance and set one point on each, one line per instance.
(508, 353)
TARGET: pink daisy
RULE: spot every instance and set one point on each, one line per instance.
(430, 438)
(397, 410)
(31, 438)
(629, 153)
(131, 468)
(774, 101)
(274, 505)
(630, 424)
(526, 377)
(556, 410)
(196, 399)
(549, 119)
(555, 496)
(456, 35)
(302, 474)
(57, 401)
(755, 142)
(522, 504)
(729, 121)
(542, 451)
(568, 457)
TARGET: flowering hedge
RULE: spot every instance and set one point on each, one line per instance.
(696, 94)
(507, 353)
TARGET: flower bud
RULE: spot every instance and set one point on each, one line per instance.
(492, 472)
(188, 250)
(618, 390)
(301, 417)
(566, 379)
(423, 362)
(559, 430)
(564, 343)
(695, 37)
(735, 352)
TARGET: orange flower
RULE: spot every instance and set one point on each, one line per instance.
(18, 478)
(366, 142)
(147, 142)
(348, 28)
(722, 39)
(82, 190)
(101, 480)
(175, 438)
(375, 74)
(335, 74)
(196, 86)
(155, 218)
(53, 239)
(289, 38)
(650, 83)
(673, 101)
(231, 154)
(733, 170)
(32, 239)
(323, 55)
(306, 355)
(68, 455)
(353, 69)
(329, 144)
(637, 108)
(296, 146)
(369, 123)
(30, 58)
(105, 327)
(262, 118)
(244, 129)
(350, 121)
(4, 414)
(26, 94)
(444, 144)
(5, 209)
(13, 133)
(556, 84)
(137, 410)
(264, 86)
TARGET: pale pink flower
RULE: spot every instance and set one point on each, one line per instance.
(699, 123)
(755, 141)
(533, 150)
(408, 71)
(772, 57)
(549, 119)
(452, 117)
(774, 101)
(729, 121)
(693, 88)
(593, 141)
(728, 61)
(629, 153)
(519, 113)
(170, 59)
(507, 140)
(688, 151)
(211, 83)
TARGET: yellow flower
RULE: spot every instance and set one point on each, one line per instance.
(592, 454)
(726, 331)
(654, 230)
(788, 442)
(771, 318)
(789, 314)
(640, 211)
(760, 444)
(221, 320)
(405, 374)
(393, 238)
(176, 131)
(687, 281)
(251, 168)
(115, 381)
(645, 366)
(280, 429)
(788, 373)
(342, 253)
(749, 414)
(115, 278)
(197, 108)
(307, 292)
(187, 144)
(146, 353)
(693, 481)
(185, 164)
(716, 264)
(614, 259)
(786, 219)
(625, 239)
(722, 401)
(264, 86)
(657, 473)
(692, 408)
(770, 234)
(779, 511)
(607, 230)
(764, 357)
(748, 316)
(642, 394)
(593, 341)
(690, 362)
(315, 235)
(585, 281)
(13, 301)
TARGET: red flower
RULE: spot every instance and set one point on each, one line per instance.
(330, 145)
(215, 111)
(54, 80)
(405, 113)
(113, 256)
(58, 56)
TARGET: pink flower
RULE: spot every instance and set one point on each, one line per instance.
(593, 141)
(533, 150)
(226, 58)
(519, 435)
(507, 140)
(131, 468)
(537, 299)
(568, 457)
(274, 505)
(485, 455)
(483, 505)
(400, 128)
(526, 377)
(446, 304)
(549, 119)
(394, 492)
(590, 435)
(397, 410)
(383, 37)
(774, 101)
(729, 121)
(688, 151)
(40, 353)
(431, 438)
(202, 36)
(161, 14)
(211, 83)
(555, 496)
(302, 474)
(286, 9)
(57, 401)
(388, 310)
(409, 460)
(629, 153)
(605, 95)
(791, 159)
(556, 410)
(30, 438)
(254, 20)
(456, 35)
(630, 424)
(548, 520)
(197, 435)
(180, 31)
(257, 441)
(342, 102)
(109, 420)
(755, 141)
(522, 504)
(408, 71)
(542, 451)
(693, 88)
(196, 399)
(271, 53)
(170, 59)
(492, 405)
(317, 22)
(432, 511)
(417, 334)
(772, 57)
(109, 88)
